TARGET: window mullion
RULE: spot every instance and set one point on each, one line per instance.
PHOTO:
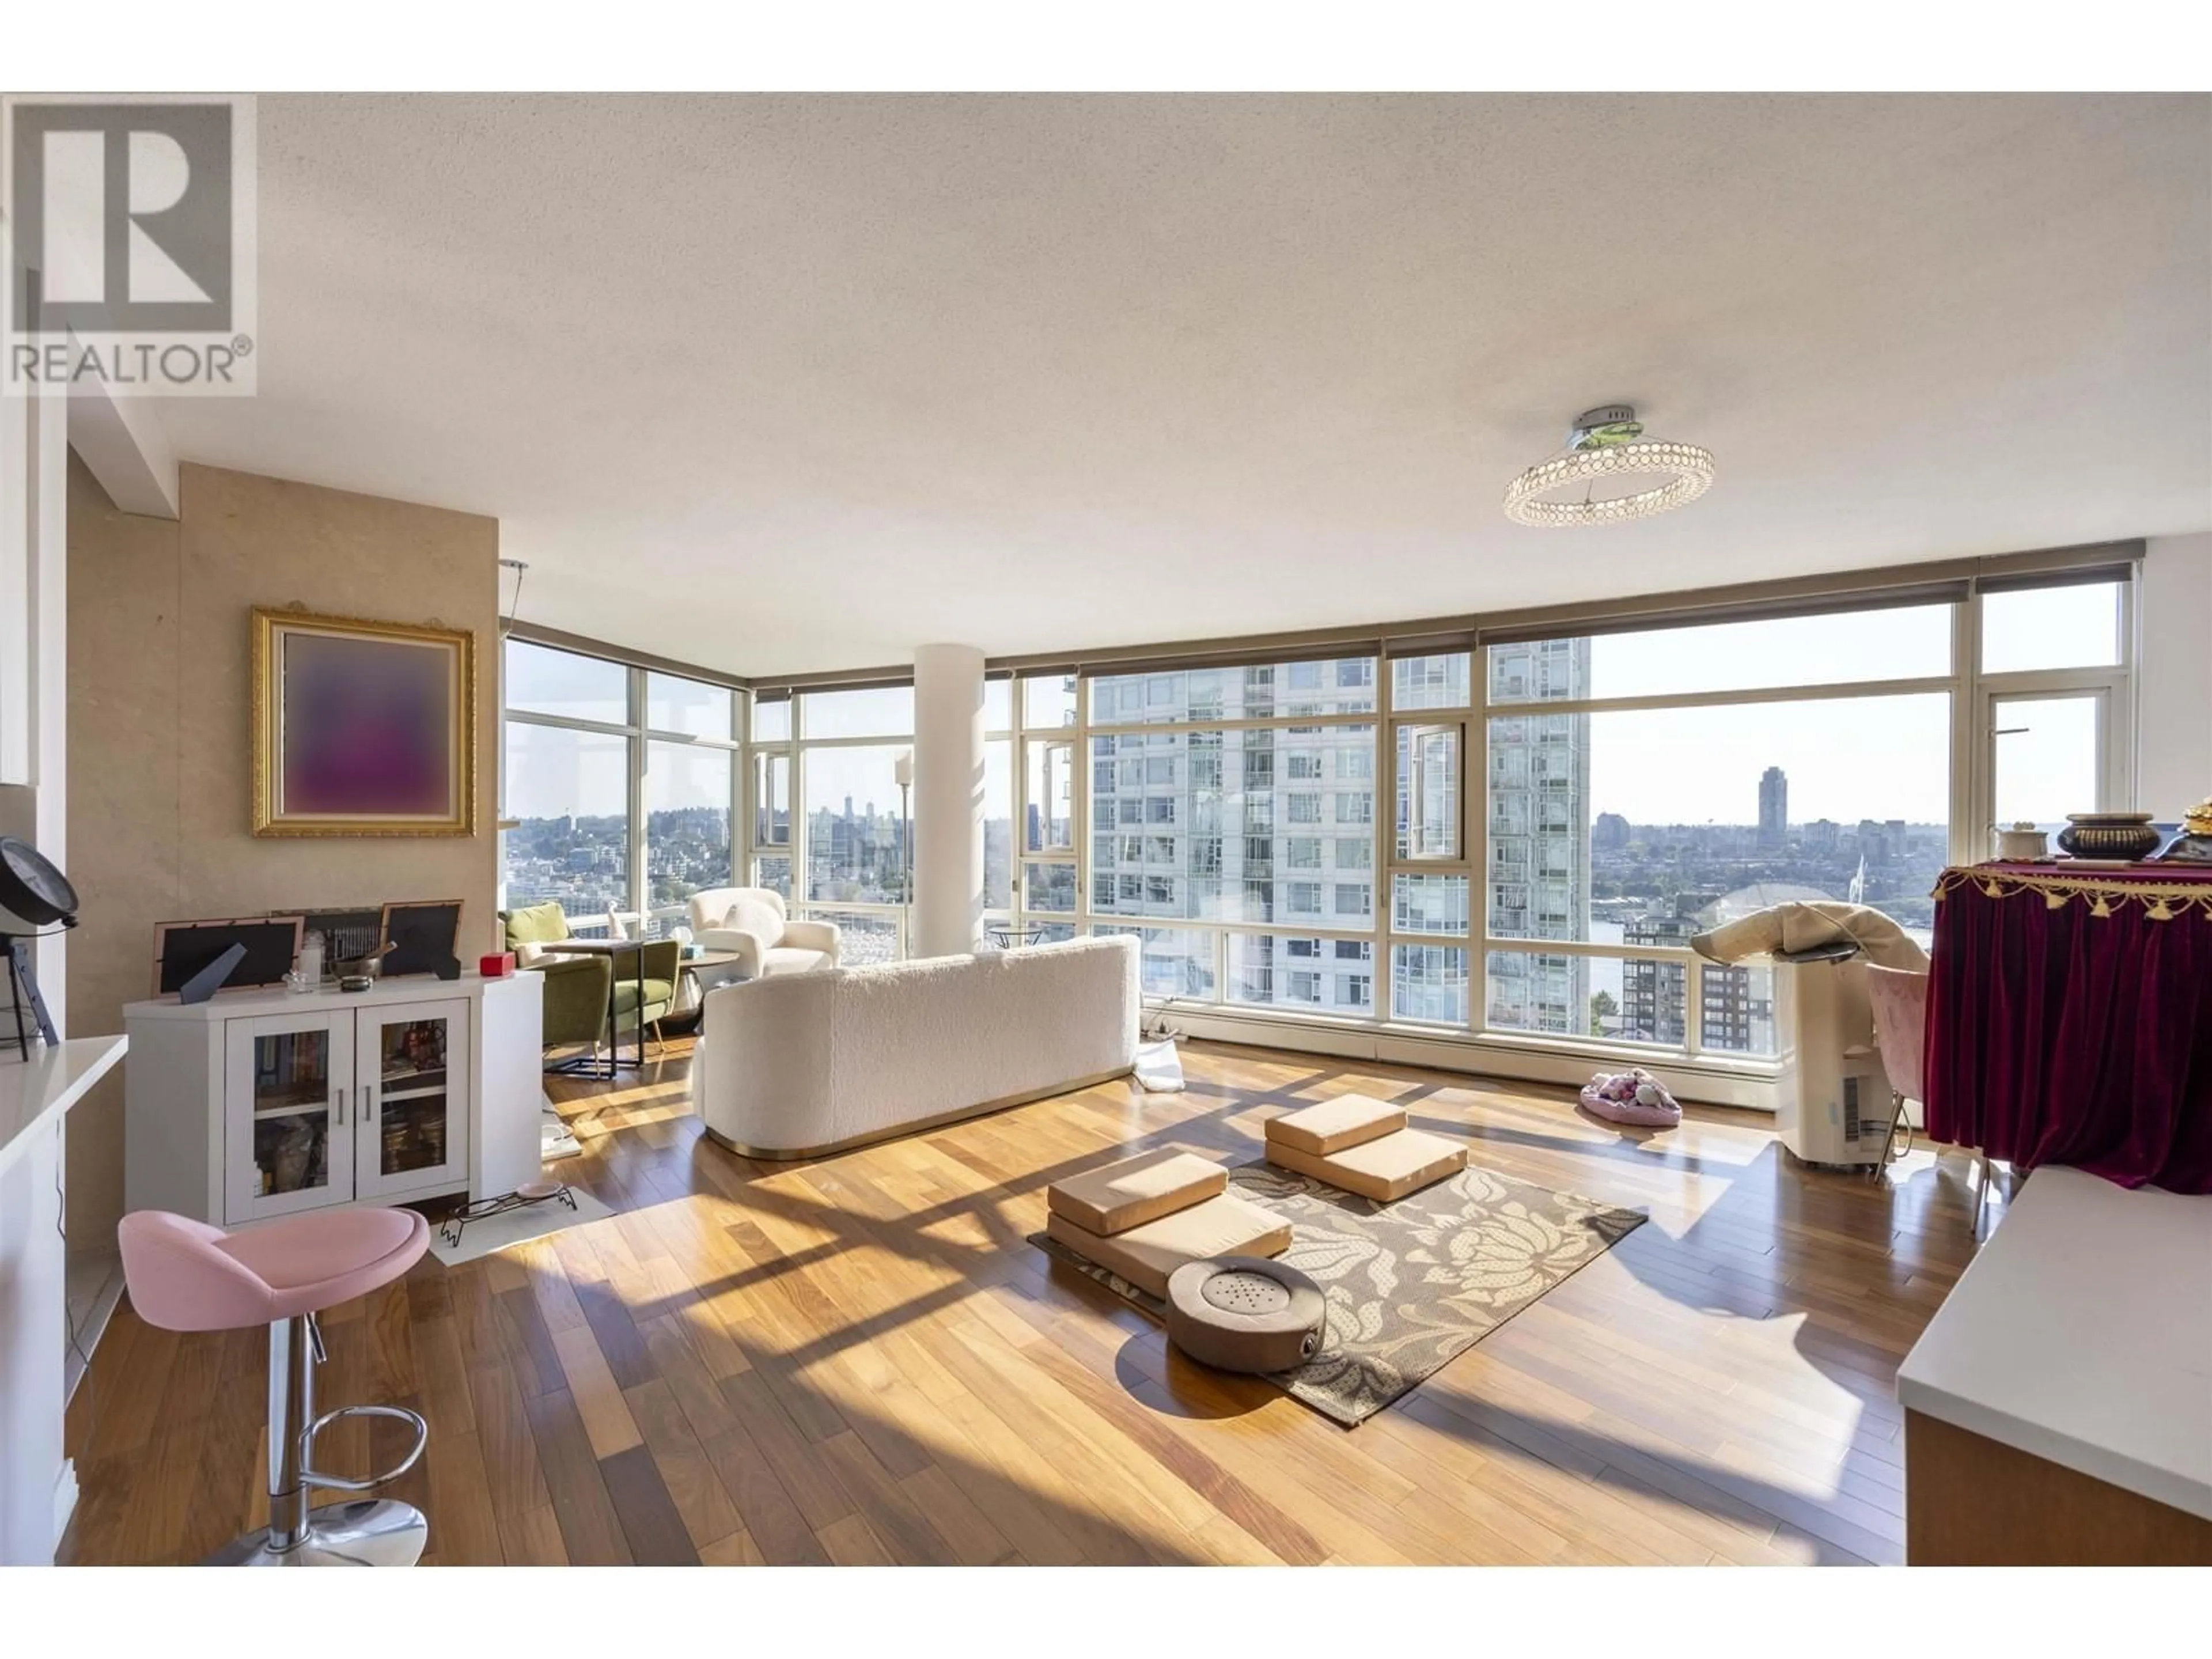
(1478, 841)
(639, 889)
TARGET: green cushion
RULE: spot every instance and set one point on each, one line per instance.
(536, 924)
(659, 992)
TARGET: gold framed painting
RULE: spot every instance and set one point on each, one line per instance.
(362, 728)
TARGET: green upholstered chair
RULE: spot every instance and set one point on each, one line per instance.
(663, 964)
(576, 985)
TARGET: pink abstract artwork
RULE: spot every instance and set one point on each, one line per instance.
(368, 728)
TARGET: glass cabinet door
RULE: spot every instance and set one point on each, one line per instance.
(414, 1071)
(288, 1132)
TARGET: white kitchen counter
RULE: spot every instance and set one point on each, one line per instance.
(34, 1092)
(37, 1486)
(2083, 1334)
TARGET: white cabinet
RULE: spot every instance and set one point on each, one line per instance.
(287, 1143)
(324, 1108)
(412, 1062)
(261, 1103)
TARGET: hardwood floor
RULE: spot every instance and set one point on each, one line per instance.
(860, 1359)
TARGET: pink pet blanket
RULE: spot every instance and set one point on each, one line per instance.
(1631, 1098)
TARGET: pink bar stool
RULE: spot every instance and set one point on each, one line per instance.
(185, 1275)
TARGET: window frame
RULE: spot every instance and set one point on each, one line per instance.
(638, 737)
(1973, 696)
(1969, 690)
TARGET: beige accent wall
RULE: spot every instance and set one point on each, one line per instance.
(161, 758)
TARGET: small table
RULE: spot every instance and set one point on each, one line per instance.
(2070, 1019)
(612, 949)
(1008, 937)
(691, 965)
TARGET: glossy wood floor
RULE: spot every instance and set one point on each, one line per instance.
(859, 1359)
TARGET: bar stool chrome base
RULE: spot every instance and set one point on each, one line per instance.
(363, 1531)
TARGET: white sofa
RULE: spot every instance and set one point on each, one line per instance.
(791, 1065)
(751, 921)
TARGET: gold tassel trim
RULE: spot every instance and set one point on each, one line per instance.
(2161, 901)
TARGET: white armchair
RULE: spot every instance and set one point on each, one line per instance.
(751, 921)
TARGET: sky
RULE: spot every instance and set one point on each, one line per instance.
(1846, 758)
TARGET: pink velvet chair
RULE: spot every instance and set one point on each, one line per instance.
(1900, 1022)
(1900, 1031)
(185, 1275)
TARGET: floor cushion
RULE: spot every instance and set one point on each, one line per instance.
(1385, 1170)
(1146, 1255)
(1243, 1313)
(1136, 1190)
(1333, 1125)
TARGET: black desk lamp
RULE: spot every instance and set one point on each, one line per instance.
(34, 896)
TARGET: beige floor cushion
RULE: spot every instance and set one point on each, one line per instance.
(1333, 1125)
(1384, 1171)
(1146, 1255)
(1136, 1190)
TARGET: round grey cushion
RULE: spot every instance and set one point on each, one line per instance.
(1244, 1313)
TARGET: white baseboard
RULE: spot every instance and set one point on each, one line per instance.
(94, 1289)
(1711, 1083)
(64, 1498)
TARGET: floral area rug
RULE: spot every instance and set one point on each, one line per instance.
(1412, 1284)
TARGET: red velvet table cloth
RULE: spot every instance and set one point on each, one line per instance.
(2070, 1020)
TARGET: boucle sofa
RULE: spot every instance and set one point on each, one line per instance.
(794, 1064)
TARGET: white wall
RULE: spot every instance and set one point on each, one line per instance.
(2173, 708)
(34, 728)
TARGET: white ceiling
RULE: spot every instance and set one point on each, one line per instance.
(778, 384)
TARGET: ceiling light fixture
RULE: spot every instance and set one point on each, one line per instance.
(1607, 443)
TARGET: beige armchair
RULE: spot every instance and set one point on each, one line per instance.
(752, 921)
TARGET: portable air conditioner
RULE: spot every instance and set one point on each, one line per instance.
(1834, 1104)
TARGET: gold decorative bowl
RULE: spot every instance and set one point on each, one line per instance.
(2125, 835)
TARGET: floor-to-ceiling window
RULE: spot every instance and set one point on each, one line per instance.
(619, 789)
(831, 828)
(1542, 824)
(1647, 786)
(1514, 840)
(1232, 814)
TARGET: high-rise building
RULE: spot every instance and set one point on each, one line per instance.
(1540, 834)
(1773, 807)
(1736, 1003)
(1273, 829)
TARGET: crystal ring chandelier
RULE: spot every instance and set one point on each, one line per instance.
(1607, 443)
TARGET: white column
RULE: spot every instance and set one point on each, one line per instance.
(948, 800)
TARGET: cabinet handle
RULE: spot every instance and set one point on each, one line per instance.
(341, 1109)
(369, 1100)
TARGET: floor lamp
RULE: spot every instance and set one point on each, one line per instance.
(903, 769)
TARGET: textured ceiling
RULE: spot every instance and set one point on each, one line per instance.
(776, 384)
